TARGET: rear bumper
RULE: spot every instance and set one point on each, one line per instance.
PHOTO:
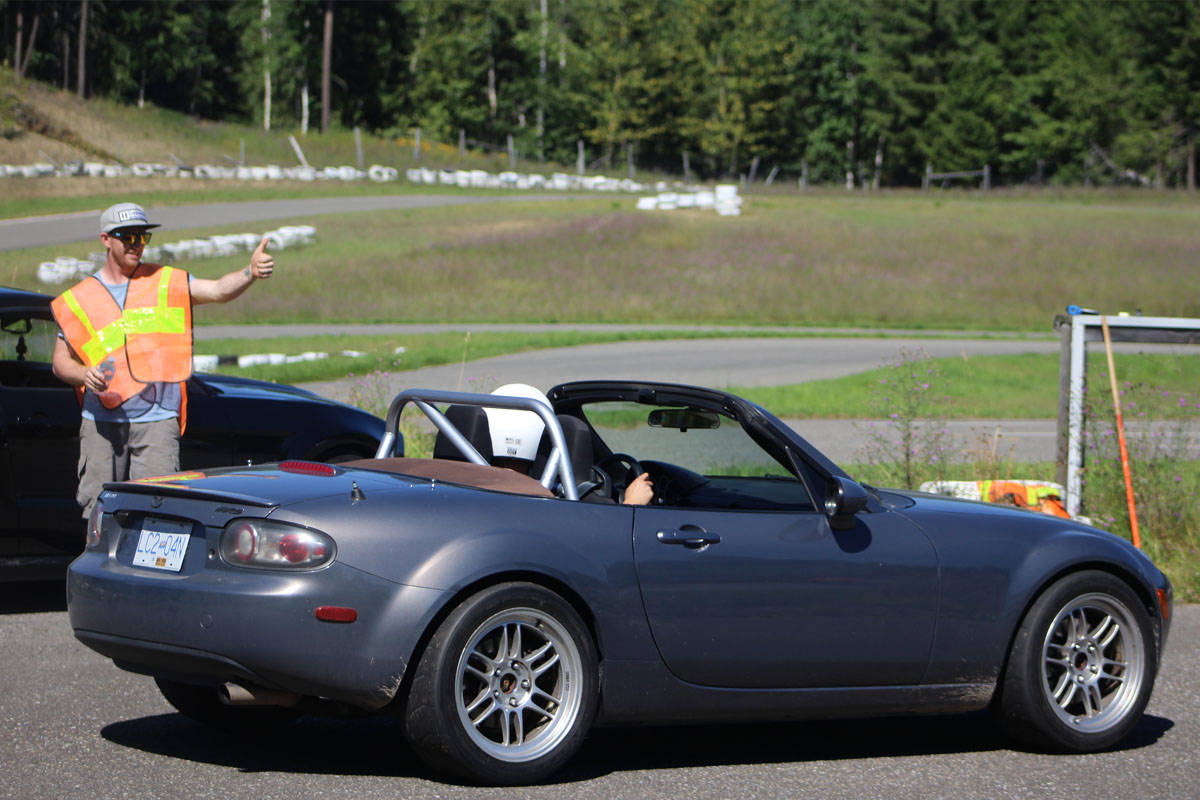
(252, 626)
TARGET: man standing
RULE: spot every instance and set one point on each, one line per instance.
(126, 347)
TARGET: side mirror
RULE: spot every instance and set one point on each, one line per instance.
(843, 499)
(18, 325)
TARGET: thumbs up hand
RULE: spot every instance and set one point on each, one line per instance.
(262, 263)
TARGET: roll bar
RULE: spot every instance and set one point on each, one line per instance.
(558, 465)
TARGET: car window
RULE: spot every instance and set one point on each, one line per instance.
(26, 348)
(736, 472)
(34, 336)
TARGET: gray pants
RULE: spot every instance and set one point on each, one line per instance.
(120, 451)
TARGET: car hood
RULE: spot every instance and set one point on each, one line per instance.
(233, 386)
(920, 504)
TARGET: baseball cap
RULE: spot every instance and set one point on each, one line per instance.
(124, 215)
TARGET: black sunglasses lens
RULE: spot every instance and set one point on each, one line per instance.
(132, 237)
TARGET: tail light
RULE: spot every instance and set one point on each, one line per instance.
(95, 519)
(276, 545)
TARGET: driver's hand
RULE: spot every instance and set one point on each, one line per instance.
(639, 491)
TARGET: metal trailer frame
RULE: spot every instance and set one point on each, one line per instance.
(1076, 331)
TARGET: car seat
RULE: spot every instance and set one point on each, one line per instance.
(472, 423)
(591, 482)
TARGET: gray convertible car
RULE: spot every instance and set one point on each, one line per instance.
(501, 615)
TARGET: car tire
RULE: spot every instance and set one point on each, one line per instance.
(203, 704)
(506, 688)
(1081, 667)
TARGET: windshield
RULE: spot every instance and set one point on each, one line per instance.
(714, 464)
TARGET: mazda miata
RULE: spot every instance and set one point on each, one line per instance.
(502, 615)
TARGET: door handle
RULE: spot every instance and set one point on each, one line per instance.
(688, 536)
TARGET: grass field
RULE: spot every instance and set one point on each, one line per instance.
(899, 260)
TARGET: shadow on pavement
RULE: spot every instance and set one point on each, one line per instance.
(30, 596)
(375, 745)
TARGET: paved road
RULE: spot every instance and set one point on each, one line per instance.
(736, 362)
(16, 234)
(706, 362)
(722, 363)
(77, 727)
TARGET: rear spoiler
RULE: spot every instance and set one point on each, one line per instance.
(167, 489)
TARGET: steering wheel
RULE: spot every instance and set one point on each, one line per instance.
(632, 466)
(630, 463)
(600, 483)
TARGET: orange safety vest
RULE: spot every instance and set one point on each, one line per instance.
(1034, 496)
(149, 342)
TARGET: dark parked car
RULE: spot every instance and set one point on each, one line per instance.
(501, 616)
(230, 421)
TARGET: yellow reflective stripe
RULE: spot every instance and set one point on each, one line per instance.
(153, 320)
(73, 303)
(105, 340)
(164, 283)
(93, 349)
(100, 342)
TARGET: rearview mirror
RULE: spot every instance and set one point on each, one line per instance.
(681, 419)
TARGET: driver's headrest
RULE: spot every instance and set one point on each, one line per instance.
(578, 437)
(472, 423)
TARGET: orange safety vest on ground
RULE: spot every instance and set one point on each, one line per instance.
(1024, 495)
(149, 342)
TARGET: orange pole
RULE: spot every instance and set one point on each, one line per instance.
(1112, 379)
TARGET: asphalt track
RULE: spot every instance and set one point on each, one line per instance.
(22, 232)
(75, 726)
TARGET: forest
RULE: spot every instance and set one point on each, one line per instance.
(866, 93)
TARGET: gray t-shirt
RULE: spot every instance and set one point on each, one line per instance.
(156, 402)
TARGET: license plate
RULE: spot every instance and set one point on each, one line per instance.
(162, 544)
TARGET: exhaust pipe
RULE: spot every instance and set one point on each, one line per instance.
(233, 694)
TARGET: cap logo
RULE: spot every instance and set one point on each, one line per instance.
(126, 214)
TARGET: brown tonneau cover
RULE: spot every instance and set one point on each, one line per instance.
(496, 479)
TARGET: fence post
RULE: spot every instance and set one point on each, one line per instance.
(687, 169)
(417, 146)
(512, 153)
(803, 174)
(358, 146)
(1063, 447)
(462, 144)
(299, 152)
(987, 177)
(579, 163)
(928, 175)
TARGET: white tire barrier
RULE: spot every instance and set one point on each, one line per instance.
(724, 199)
(66, 268)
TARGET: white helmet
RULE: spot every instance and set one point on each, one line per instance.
(516, 434)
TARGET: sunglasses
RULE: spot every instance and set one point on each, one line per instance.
(132, 238)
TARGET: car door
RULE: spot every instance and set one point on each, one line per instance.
(762, 599)
(40, 438)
